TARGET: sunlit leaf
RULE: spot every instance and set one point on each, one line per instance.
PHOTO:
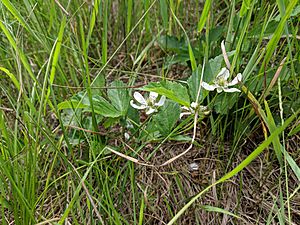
(119, 96)
(166, 118)
(171, 90)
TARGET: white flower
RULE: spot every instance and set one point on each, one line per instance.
(127, 136)
(193, 167)
(221, 82)
(149, 104)
(193, 108)
(129, 125)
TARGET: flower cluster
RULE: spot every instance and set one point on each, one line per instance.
(220, 83)
(193, 108)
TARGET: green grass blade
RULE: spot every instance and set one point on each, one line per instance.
(93, 20)
(192, 58)
(76, 193)
(240, 167)
(56, 55)
(15, 13)
(204, 15)
(104, 32)
(12, 77)
(164, 13)
(277, 34)
(142, 208)
(129, 16)
(218, 210)
(272, 126)
(18, 50)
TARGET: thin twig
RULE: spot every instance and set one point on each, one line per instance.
(104, 87)
(134, 160)
(62, 8)
(225, 56)
(6, 109)
(88, 195)
(195, 124)
(86, 130)
(274, 79)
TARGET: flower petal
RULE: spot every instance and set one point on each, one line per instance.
(224, 74)
(139, 98)
(220, 89)
(184, 113)
(150, 110)
(185, 108)
(137, 106)
(194, 105)
(153, 96)
(203, 108)
(129, 125)
(236, 80)
(208, 87)
(231, 90)
(127, 136)
(161, 101)
(239, 77)
(194, 166)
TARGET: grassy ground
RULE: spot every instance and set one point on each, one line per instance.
(75, 151)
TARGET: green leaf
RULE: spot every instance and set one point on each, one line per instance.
(213, 67)
(181, 59)
(173, 44)
(215, 34)
(104, 108)
(109, 122)
(119, 96)
(166, 118)
(291, 163)
(70, 104)
(183, 138)
(225, 101)
(278, 148)
(194, 84)
(101, 105)
(98, 84)
(171, 90)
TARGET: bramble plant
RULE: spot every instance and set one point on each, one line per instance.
(149, 112)
(178, 100)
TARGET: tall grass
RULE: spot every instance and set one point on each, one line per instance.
(52, 172)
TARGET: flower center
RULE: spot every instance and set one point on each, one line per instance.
(150, 102)
(222, 82)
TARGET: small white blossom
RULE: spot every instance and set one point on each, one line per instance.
(129, 125)
(221, 82)
(193, 108)
(150, 104)
(193, 167)
(127, 136)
